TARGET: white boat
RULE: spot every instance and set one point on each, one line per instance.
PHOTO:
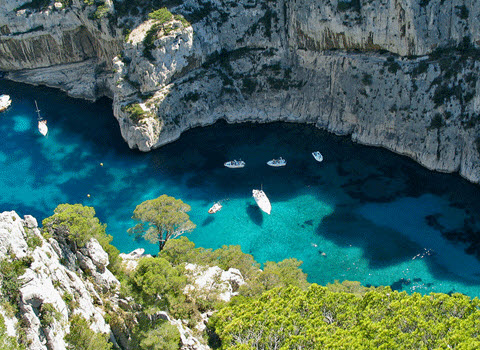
(216, 207)
(5, 102)
(42, 127)
(318, 156)
(42, 124)
(235, 164)
(277, 162)
(262, 201)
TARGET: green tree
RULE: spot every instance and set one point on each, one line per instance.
(81, 337)
(161, 219)
(319, 318)
(76, 224)
(163, 337)
(155, 283)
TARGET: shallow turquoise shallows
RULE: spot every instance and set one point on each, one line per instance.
(362, 214)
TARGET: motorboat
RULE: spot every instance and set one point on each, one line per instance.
(318, 156)
(42, 123)
(277, 162)
(5, 102)
(216, 207)
(262, 201)
(235, 164)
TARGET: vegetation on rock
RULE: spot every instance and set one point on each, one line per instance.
(81, 337)
(76, 225)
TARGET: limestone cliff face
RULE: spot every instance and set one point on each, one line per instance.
(404, 27)
(52, 45)
(394, 73)
(47, 281)
(269, 62)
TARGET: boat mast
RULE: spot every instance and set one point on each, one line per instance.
(38, 111)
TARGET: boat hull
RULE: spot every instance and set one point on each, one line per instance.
(216, 207)
(42, 128)
(235, 164)
(262, 201)
(318, 156)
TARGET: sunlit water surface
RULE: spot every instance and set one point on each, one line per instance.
(362, 214)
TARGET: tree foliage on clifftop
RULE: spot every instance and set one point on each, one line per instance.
(318, 318)
(160, 219)
(76, 225)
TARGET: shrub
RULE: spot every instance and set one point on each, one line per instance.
(437, 122)
(76, 225)
(161, 15)
(101, 12)
(10, 271)
(461, 11)
(345, 5)
(149, 41)
(183, 20)
(367, 79)
(34, 241)
(81, 337)
(48, 314)
(165, 337)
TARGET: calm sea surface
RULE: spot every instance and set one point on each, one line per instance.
(362, 214)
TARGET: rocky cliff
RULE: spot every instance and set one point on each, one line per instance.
(45, 283)
(397, 74)
(50, 293)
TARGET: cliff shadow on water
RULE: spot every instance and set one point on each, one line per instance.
(363, 207)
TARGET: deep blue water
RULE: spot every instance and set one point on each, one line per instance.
(377, 216)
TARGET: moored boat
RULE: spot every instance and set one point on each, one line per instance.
(234, 164)
(262, 201)
(216, 207)
(318, 156)
(5, 102)
(42, 127)
(277, 162)
(42, 124)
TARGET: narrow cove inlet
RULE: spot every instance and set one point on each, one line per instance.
(362, 214)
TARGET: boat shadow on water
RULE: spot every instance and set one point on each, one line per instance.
(208, 221)
(255, 214)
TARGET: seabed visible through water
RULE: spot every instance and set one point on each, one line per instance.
(362, 214)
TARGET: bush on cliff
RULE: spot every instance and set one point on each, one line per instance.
(81, 337)
(76, 224)
(274, 274)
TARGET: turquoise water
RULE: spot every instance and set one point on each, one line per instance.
(377, 217)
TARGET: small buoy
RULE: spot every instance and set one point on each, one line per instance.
(88, 195)
(101, 164)
(324, 254)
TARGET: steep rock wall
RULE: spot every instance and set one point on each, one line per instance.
(35, 41)
(426, 107)
(394, 73)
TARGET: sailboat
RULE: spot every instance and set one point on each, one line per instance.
(42, 124)
(262, 200)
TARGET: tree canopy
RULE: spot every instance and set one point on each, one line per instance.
(292, 318)
(77, 224)
(161, 219)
